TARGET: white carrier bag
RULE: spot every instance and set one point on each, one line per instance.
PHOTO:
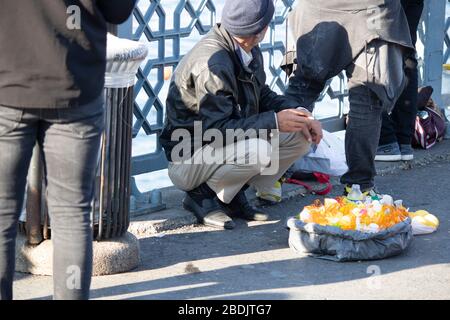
(328, 157)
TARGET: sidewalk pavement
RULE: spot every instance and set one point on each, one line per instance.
(253, 261)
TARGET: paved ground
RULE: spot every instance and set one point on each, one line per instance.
(254, 262)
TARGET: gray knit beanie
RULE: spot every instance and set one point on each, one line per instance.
(247, 17)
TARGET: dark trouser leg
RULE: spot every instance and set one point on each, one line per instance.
(17, 140)
(413, 10)
(399, 125)
(405, 116)
(70, 141)
(376, 80)
(361, 139)
(388, 132)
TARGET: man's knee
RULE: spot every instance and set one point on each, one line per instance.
(178, 174)
(253, 152)
(295, 141)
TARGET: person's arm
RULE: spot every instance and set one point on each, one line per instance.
(218, 106)
(116, 11)
(270, 100)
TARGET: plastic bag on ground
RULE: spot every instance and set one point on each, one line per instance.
(423, 222)
(328, 158)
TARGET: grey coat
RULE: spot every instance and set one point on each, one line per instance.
(330, 34)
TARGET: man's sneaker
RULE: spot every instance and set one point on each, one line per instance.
(388, 152)
(406, 151)
(203, 202)
(241, 208)
(273, 195)
(370, 192)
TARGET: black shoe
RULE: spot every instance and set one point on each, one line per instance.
(240, 207)
(203, 202)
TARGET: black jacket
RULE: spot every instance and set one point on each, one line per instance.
(211, 85)
(44, 61)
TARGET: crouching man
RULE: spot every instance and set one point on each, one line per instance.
(224, 128)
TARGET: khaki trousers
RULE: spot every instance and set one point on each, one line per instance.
(254, 161)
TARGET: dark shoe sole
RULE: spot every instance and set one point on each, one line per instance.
(257, 217)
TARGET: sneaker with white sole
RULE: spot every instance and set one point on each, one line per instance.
(388, 152)
(273, 195)
(371, 192)
(406, 151)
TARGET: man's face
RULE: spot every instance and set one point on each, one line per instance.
(260, 36)
(252, 41)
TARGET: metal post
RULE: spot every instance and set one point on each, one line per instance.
(434, 18)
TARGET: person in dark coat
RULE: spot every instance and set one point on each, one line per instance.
(52, 69)
(368, 40)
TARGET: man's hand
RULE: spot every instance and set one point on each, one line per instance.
(293, 120)
(316, 131)
(305, 112)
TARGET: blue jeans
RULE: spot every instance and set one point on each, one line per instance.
(70, 143)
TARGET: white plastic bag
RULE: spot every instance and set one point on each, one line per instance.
(423, 222)
(328, 157)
